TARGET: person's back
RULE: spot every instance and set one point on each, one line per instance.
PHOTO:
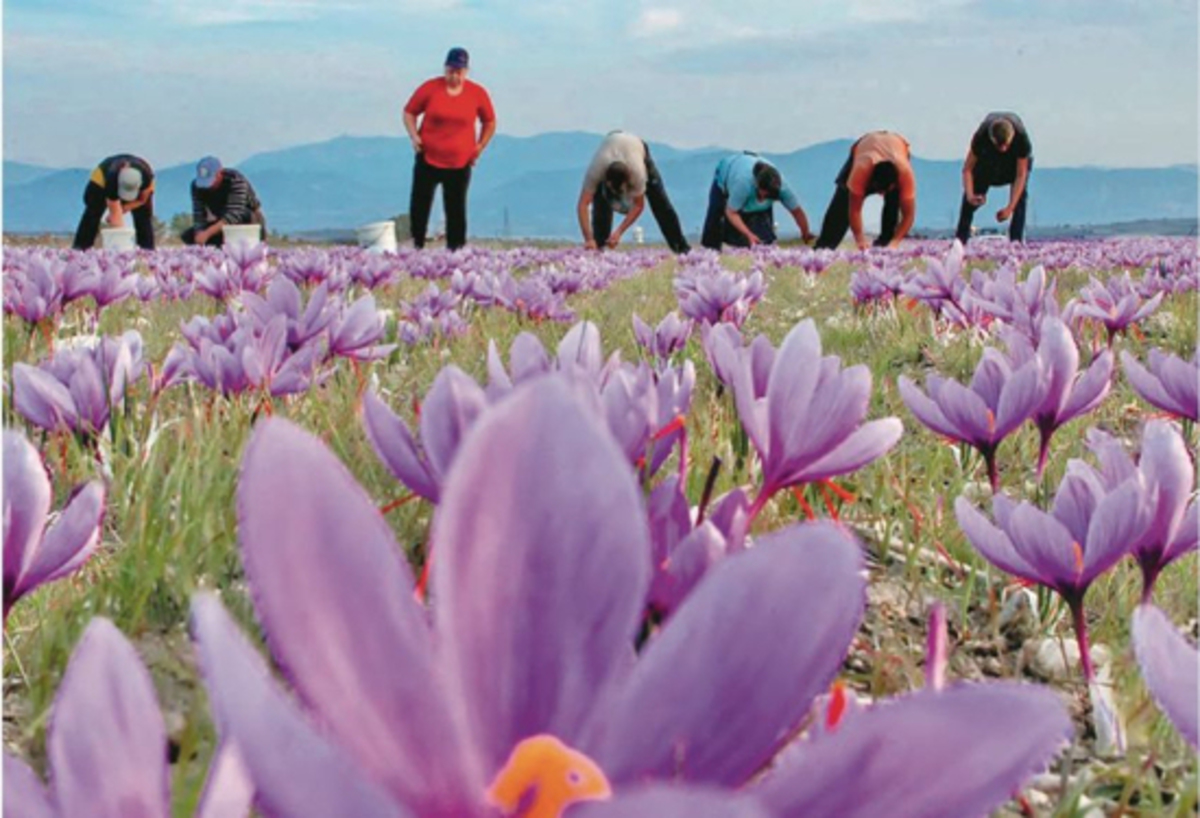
(983, 143)
(233, 199)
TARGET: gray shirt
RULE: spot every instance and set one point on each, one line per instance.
(619, 146)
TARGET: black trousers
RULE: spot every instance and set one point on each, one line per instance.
(217, 239)
(660, 206)
(454, 182)
(837, 215)
(983, 177)
(95, 205)
(718, 230)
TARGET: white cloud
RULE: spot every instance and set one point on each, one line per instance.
(652, 22)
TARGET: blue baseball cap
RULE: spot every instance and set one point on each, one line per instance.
(458, 58)
(206, 171)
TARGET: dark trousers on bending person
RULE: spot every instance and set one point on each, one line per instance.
(718, 230)
(95, 205)
(660, 206)
(837, 215)
(984, 177)
(217, 239)
(454, 182)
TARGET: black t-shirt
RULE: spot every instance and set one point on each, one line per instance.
(985, 152)
(233, 200)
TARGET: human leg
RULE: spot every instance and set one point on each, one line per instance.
(890, 218)
(421, 199)
(602, 217)
(714, 219)
(455, 182)
(94, 205)
(836, 221)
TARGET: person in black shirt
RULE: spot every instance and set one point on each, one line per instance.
(220, 196)
(119, 184)
(1000, 154)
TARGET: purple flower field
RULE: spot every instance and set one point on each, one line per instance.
(546, 532)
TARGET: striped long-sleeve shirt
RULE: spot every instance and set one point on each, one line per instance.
(233, 200)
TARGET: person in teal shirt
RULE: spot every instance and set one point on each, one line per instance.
(741, 202)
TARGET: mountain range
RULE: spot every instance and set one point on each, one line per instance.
(527, 187)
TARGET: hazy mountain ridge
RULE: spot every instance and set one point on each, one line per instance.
(528, 186)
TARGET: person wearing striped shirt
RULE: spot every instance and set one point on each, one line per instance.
(221, 196)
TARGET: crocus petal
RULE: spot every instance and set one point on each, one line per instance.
(333, 594)
(1116, 526)
(24, 795)
(107, 745)
(41, 398)
(541, 570)
(964, 410)
(453, 403)
(26, 502)
(793, 377)
(1090, 389)
(868, 443)
(1145, 384)
(673, 802)
(228, 790)
(992, 542)
(926, 410)
(71, 540)
(1060, 358)
(1178, 379)
(527, 357)
(959, 751)
(1049, 548)
(714, 696)
(692, 558)
(393, 442)
(1169, 667)
(1170, 478)
(296, 772)
(1022, 395)
(581, 347)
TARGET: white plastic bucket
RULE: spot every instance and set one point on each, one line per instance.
(117, 238)
(377, 237)
(247, 235)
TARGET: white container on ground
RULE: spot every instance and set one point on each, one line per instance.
(117, 238)
(377, 237)
(247, 235)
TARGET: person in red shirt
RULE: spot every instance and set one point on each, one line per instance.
(446, 145)
(880, 162)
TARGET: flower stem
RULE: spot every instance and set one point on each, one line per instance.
(1081, 636)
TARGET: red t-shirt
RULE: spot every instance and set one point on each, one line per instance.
(447, 129)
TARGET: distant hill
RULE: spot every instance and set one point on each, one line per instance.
(528, 186)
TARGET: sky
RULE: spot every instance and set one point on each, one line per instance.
(1097, 82)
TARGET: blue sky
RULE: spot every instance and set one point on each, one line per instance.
(1099, 82)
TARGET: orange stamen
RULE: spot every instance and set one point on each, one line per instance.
(991, 422)
(1078, 557)
(395, 504)
(546, 776)
(847, 496)
(827, 496)
(423, 582)
(837, 706)
(674, 426)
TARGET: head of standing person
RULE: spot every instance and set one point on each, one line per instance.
(1001, 132)
(458, 64)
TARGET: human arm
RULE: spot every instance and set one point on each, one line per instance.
(801, 219)
(908, 214)
(410, 125)
(1018, 189)
(968, 177)
(489, 130)
(639, 204)
(116, 217)
(585, 224)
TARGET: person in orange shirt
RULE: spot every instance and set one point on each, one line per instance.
(446, 145)
(880, 162)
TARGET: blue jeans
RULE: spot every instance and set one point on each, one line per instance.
(718, 230)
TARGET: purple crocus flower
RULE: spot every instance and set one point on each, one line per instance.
(76, 390)
(1089, 529)
(808, 425)
(1170, 476)
(356, 332)
(538, 596)
(107, 745)
(1001, 397)
(1170, 383)
(941, 286)
(709, 293)
(725, 350)
(663, 341)
(450, 408)
(34, 554)
(33, 286)
(1069, 393)
(1169, 667)
(1115, 303)
(1022, 305)
(304, 321)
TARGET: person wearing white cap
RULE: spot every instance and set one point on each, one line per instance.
(221, 196)
(120, 184)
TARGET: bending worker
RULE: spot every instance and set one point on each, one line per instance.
(879, 162)
(120, 184)
(221, 196)
(744, 189)
(1000, 154)
(623, 177)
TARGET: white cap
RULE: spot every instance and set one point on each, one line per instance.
(129, 183)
